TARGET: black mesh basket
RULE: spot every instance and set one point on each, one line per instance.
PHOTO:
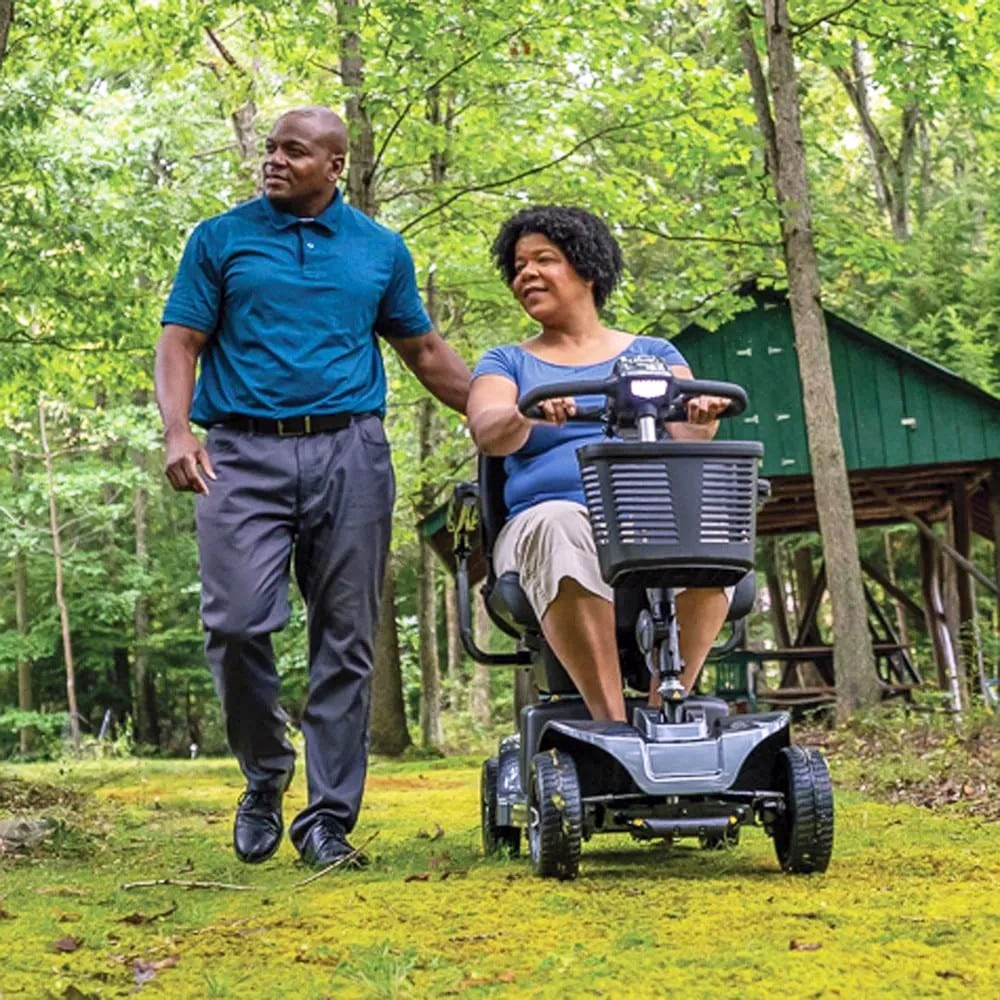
(672, 513)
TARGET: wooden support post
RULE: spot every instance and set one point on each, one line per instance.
(928, 533)
(776, 590)
(808, 633)
(962, 527)
(994, 494)
(937, 626)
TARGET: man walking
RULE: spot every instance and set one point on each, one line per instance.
(282, 299)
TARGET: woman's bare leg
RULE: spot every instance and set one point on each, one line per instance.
(579, 626)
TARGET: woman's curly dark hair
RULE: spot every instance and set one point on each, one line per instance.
(582, 237)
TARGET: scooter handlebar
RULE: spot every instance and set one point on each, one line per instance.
(679, 389)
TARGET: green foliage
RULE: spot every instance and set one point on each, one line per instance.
(47, 729)
(117, 135)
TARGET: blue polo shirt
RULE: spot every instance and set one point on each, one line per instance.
(292, 309)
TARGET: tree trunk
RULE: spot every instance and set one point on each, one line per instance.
(902, 626)
(361, 163)
(389, 734)
(25, 702)
(854, 663)
(144, 707)
(6, 20)
(67, 642)
(891, 174)
(805, 581)
(431, 734)
(244, 118)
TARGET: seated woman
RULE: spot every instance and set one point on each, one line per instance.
(561, 264)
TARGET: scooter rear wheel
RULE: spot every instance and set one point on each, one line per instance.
(556, 825)
(497, 840)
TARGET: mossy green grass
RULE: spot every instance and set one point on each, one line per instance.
(908, 908)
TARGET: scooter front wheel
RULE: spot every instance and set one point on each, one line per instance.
(803, 836)
(556, 816)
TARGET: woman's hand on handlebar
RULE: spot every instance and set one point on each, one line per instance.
(706, 409)
(558, 410)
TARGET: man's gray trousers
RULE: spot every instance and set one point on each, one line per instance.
(324, 500)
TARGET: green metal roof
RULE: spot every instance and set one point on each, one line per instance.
(896, 408)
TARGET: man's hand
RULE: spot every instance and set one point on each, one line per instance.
(185, 457)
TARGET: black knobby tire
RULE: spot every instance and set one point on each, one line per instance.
(556, 828)
(497, 840)
(803, 836)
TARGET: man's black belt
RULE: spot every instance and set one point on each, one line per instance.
(292, 426)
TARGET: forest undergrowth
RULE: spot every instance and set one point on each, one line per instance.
(132, 888)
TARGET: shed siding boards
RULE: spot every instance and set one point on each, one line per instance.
(896, 408)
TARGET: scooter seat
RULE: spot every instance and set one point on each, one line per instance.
(507, 599)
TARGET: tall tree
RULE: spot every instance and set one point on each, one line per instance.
(60, 592)
(854, 663)
(389, 733)
(6, 19)
(25, 700)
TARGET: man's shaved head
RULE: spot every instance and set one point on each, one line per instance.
(333, 132)
(303, 159)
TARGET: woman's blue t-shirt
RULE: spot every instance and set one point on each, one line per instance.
(545, 466)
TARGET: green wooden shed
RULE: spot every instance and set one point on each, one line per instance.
(909, 427)
(921, 445)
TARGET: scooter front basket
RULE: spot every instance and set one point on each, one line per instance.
(672, 513)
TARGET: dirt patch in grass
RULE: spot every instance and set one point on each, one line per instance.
(21, 797)
(40, 820)
(919, 759)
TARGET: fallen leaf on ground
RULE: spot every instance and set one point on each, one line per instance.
(951, 974)
(67, 944)
(436, 835)
(143, 918)
(75, 993)
(794, 945)
(156, 964)
(146, 971)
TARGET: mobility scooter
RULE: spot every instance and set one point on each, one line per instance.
(665, 515)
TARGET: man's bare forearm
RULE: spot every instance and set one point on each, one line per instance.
(440, 369)
(174, 374)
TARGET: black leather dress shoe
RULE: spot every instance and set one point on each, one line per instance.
(258, 827)
(326, 844)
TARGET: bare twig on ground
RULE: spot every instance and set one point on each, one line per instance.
(340, 862)
(185, 884)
